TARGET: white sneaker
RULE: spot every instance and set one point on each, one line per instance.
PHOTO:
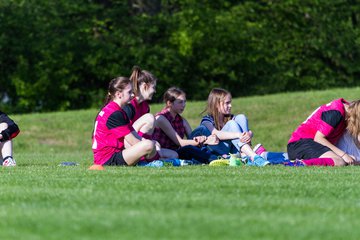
(9, 162)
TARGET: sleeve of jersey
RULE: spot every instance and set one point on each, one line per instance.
(329, 121)
(119, 124)
(129, 109)
(12, 130)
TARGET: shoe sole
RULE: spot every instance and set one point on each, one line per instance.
(220, 163)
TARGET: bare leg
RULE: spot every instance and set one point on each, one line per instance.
(145, 124)
(134, 153)
(248, 151)
(338, 161)
(5, 147)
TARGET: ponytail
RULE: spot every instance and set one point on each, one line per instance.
(116, 84)
(139, 76)
(108, 98)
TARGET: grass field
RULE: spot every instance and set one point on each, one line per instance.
(41, 200)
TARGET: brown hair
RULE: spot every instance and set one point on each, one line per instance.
(216, 96)
(139, 76)
(172, 94)
(353, 120)
(116, 84)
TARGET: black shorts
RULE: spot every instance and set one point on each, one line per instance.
(116, 159)
(305, 149)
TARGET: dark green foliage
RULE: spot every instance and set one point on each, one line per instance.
(59, 55)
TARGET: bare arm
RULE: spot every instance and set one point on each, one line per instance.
(132, 138)
(187, 128)
(321, 138)
(162, 123)
(222, 135)
(211, 140)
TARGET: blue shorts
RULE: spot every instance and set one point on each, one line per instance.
(306, 148)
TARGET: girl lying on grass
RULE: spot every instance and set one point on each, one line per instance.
(314, 141)
(115, 142)
(173, 131)
(8, 130)
(233, 131)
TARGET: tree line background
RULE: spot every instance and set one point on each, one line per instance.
(60, 55)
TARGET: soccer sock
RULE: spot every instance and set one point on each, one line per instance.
(156, 157)
(319, 162)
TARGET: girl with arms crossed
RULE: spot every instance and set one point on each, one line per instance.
(233, 131)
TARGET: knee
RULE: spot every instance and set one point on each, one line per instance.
(200, 131)
(339, 162)
(3, 126)
(173, 154)
(148, 145)
(240, 118)
(149, 119)
(232, 124)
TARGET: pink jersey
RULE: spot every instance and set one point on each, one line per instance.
(329, 119)
(112, 124)
(140, 109)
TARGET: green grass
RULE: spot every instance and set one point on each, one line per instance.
(41, 200)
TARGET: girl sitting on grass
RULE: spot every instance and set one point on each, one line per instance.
(115, 142)
(144, 87)
(233, 131)
(314, 141)
(173, 131)
(8, 130)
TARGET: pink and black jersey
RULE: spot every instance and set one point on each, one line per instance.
(112, 124)
(12, 130)
(329, 119)
(140, 109)
(177, 123)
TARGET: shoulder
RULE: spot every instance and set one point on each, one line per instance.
(207, 118)
(165, 113)
(129, 109)
(117, 119)
(161, 118)
(332, 117)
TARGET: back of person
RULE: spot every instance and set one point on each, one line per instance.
(328, 119)
(105, 142)
(347, 144)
